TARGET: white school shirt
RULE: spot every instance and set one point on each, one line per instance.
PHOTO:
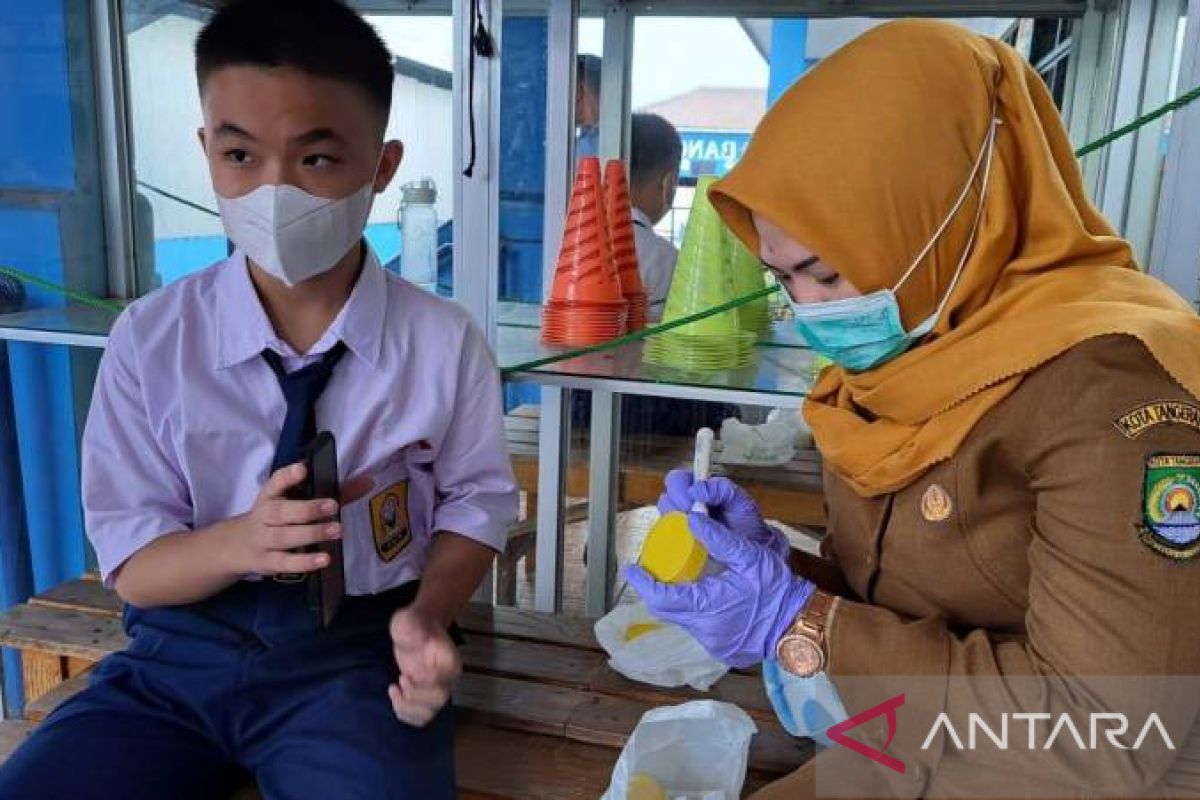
(656, 263)
(186, 415)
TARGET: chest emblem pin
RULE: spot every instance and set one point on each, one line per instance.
(936, 505)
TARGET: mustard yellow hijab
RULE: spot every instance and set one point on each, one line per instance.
(861, 161)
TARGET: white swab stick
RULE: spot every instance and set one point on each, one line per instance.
(702, 463)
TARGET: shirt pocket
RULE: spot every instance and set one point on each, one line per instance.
(387, 533)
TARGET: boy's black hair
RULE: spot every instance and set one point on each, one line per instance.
(654, 147)
(324, 38)
(587, 72)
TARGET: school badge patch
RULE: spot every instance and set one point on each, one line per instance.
(1171, 506)
(389, 521)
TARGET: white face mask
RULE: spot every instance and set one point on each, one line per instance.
(292, 234)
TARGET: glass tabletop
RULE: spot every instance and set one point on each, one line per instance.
(529, 315)
(78, 325)
(776, 367)
(779, 364)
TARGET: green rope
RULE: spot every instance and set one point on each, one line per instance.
(79, 297)
(645, 333)
(1125, 130)
(1145, 119)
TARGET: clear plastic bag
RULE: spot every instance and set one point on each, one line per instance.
(696, 751)
(662, 655)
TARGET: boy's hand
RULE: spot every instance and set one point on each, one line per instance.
(429, 664)
(262, 539)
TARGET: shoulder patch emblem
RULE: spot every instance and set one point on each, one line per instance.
(389, 521)
(1171, 506)
(936, 505)
(1159, 412)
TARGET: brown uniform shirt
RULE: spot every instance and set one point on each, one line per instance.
(1024, 564)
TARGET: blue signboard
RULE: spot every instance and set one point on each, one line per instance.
(710, 152)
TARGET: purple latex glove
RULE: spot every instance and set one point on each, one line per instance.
(727, 503)
(739, 614)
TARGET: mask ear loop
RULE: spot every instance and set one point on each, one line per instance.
(962, 261)
(984, 150)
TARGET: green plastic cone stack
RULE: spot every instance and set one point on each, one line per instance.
(624, 249)
(586, 305)
(747, 276)
(701, 282)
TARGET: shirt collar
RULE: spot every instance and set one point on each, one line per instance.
(244, 330)
(640, 218)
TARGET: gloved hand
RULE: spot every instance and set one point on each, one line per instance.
(727, 503)
(739, 614)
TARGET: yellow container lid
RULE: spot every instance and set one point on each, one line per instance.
(671, 553)
(644, 787)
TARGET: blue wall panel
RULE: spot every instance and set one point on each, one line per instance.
(40, 186)
(36, 143)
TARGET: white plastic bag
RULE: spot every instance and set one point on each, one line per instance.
(772, 443)
(697, 750)
(665, 656)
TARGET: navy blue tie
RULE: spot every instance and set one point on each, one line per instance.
(300, 390)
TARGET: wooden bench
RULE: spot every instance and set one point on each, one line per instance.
(537, 695)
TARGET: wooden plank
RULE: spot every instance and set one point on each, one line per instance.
(601, 719)
(510, 765)
(744, 691)
(552, 664)
(78, 666)
(520, 422)
(517, 705)
(610, 721)
(533, 626)
(12, 733)
(775, 752)
(605, 720)
(515, 437)
(61, 632)
(527, 411)
(40, 708)
(81, 595)
(41, 672)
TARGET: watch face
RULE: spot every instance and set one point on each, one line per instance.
(800, 656)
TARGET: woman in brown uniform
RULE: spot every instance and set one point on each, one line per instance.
(1011, 440)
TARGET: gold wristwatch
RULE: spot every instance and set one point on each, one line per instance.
(801, 651)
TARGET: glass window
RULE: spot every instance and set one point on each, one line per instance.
(422, 118)
(589, 86)
(713, 103)
(1050, 53)
(175, 208)
(522, 175)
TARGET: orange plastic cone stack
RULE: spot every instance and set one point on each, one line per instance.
(624, 250)
(586, 305)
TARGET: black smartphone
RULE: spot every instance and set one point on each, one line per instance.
(326, 586)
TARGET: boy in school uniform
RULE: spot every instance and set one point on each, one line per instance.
(206, 396)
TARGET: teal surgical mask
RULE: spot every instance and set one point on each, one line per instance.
(860, 333)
